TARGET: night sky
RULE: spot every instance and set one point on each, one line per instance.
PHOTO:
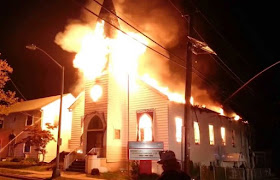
(243, 34)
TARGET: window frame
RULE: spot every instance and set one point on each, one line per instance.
(31, 119)
(117, 134)
(177, 129)
(24, 145)
(224, 139)
(211, 125)
(151, 114)
(194, 130)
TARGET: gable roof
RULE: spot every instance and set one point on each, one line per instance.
(33, 104)
(80, 96)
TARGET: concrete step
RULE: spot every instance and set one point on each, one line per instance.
(75, 170)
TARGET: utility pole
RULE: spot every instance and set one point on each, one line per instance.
(188, 85)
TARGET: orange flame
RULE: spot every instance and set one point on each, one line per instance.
(236, 117)
(176, 97)
(222, 112)
(120, 56)
(91, 59)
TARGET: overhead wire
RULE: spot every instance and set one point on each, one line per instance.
(218, 32)
(90, 11)
(17, 89)
(236, 78)
(138, 30)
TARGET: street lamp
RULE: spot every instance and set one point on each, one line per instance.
(56, 171)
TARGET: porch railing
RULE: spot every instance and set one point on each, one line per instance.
(70, 158)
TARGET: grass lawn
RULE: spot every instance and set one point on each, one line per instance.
(27, 166)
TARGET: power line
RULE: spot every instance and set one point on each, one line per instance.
(138, 30)
(250, 81)
(17, 89)
(236, 78)
(126, 33)
(87, 9)
(217, 31)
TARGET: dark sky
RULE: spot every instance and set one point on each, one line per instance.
(244, 35)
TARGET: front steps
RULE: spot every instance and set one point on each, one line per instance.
(77, 166)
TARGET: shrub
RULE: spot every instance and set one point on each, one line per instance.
(30, 161)
(16, 159)
(134, 170)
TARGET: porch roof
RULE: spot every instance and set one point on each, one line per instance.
(32, 104)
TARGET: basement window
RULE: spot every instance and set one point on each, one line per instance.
(178, 122)
(223, 135)
(211, 134)
(1, 124)
(29, 121)
(196, 133)
(145, 127)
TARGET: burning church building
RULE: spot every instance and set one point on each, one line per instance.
(118, 105)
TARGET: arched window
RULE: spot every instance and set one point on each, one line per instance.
(145, 128)
(95, 123)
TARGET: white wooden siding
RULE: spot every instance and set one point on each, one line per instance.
(148, 98)
(77, 115)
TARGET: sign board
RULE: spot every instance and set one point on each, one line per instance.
(144, 150)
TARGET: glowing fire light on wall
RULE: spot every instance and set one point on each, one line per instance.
(145, 128)
(178, 122)
(96, 92)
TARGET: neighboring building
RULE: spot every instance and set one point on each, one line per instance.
(102, 126)
(27, 113)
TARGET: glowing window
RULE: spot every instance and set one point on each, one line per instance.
(178, 122)
(196, 133)
(211, 134)
(96, 93)
(223, 135)
(145, 128)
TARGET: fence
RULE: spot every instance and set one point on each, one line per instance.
(222, 173)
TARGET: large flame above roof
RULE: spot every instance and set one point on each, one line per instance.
(120, 55)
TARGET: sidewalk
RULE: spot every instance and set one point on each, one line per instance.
(29, 174)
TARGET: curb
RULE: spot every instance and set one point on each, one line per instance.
(22, 177)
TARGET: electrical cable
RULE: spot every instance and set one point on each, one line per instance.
(90, 11)
(236, 78)
(17, 89)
